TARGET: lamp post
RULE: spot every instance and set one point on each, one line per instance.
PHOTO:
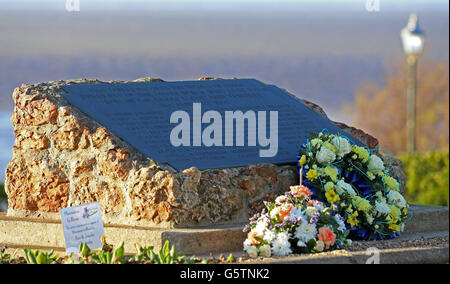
(413, 42)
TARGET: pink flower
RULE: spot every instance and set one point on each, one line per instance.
(327, 236)
(300, 190)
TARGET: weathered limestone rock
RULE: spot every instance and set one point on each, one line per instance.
(37, 185)
(67, 137)
(29, 140)
(115, 163)
(63, 158)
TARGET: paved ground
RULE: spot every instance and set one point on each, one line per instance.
(429, 247)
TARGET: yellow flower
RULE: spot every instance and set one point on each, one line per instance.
(362, 153)
(405, 211)
(332, 172)
(391, 182)
(362, 204)
(393, 226)
(352, 219)
(311, 174)
(330, 146)
(332, 197)
(302, 161)
(371, 175)
(395, 213)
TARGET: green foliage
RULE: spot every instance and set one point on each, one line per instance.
(428, 178)
(108, 256)
(74, 260)
(84, 250)
(4, 257)
(143, 253)
(37, 257)
(167, 255)
(231, 258)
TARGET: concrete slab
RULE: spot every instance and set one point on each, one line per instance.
(36, 233)
(427, 218)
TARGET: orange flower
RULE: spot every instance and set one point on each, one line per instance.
(251, 236)
(327, 236)
(313, 202)
(285, 210)
(300, 190)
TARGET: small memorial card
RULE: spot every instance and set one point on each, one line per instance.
(82, 223)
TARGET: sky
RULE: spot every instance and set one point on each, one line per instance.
(331, 5)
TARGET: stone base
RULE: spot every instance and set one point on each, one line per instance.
(45, 234)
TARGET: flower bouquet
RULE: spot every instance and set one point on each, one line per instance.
(295, 223)
(354, 180)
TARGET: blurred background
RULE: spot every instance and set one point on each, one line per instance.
(345, 55)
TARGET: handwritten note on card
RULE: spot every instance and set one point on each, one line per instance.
(82, 223)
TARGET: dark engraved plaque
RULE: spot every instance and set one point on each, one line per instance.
(140, 114)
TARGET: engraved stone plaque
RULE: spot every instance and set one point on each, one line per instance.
(206, 124)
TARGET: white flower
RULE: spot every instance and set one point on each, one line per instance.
(281, 245)
(265, 251)
(375, 163)
(316, 141)
(283, 236)
(311, 210)
(370, 219)
(325, 156)
(269, 236)
(396, 198)
(301, 244)
(382, 208)
(247, 244)
(260, 227)
(275, 212)
(342, 145)
(340, 222)
(320, 245)
(297, 213)
(306, 232)
(252, 251)
(342, 187)
(280, 199)
(319, 206)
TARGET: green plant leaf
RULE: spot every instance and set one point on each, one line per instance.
(119, 253)
(42, 259)
(231, 258)
(166, 249)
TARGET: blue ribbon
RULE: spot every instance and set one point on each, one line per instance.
(362, 233)
(358, 182)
